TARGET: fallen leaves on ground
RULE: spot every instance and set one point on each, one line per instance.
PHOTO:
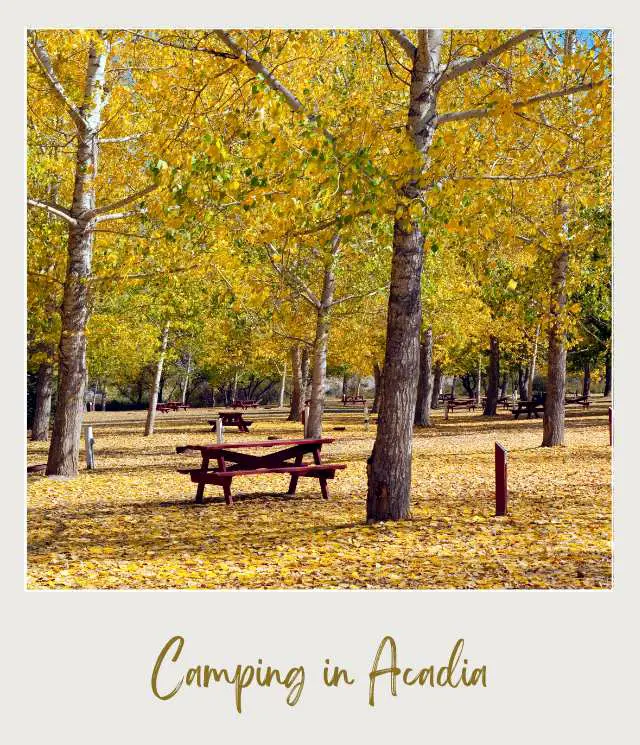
(132, 523)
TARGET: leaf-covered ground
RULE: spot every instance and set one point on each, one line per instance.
(133, 523)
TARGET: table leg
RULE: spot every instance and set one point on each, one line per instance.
(226, 488)
(200, 490)
(293, 483)
(324, 488)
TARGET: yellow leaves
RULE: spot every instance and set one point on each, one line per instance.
(129, 524)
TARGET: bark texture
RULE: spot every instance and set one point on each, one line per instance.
(42, 411)
(296, 384)
(389, 466)
(586, 379)
(425, 381)
(607, 375)
(532, 366)
(437, 385)
(553, 424)
(377, 378)
(72, 366)
(320, 347)
(493, 377)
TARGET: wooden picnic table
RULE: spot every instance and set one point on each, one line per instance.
(506, 401)
(288, 459)
(461, 403)
(171, 406)
(584, 401)
(231, 419)
(353, 400)
(244, 404)
(531, 407)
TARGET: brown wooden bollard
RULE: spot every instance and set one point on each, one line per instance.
(610, 426)
(501, 480)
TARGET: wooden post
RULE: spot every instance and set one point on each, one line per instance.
(219, 431)
(501, 480)
(304, 418)
(446, 410)
(610, 426)
(88, 447)
(366, 416)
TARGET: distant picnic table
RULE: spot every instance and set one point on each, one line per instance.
(244, 404)
(231, 419)
(505, 401)
(353, 400)
(171, 406)
(461, 403)
(584, 401)
(531, 407)
(231, 463)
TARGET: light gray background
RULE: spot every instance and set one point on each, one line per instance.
(562, 666)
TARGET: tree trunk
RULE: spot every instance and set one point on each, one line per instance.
(306, 382)
(297, 385)
(185, 382)
(425, 381)
(586, 380)
(377, 379)
(453, 386)
(103, 404)
(153, 398)
(345, 385)
(42, 412)
(283, 383)
(532, 367)
(607, 375)
(437, 386)
(234, 390)
(493, 377)
(468, 383)
(389, 467)
(479, 386)
(524, 391)
(503, 386)
(553, 424)
(320, 346)
(72, 366)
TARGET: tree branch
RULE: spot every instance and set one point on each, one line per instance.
(359, 295)
(458, 116)
(39, 51)
(259, 69)
(123, 202)
(481, 60)
(405, 42)
(53, 209)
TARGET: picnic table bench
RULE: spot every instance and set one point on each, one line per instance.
(531, 407)
(231, 419)
(353, 400)
(231, 463)
(584, 401)
(505, 401)
(244, 404)
(461, 403)
(171, 406)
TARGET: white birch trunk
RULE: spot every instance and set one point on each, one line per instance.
(319, 370)
(532, 371)
(185, 382)
(153, 398)
(283, 384)
(65, 438)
